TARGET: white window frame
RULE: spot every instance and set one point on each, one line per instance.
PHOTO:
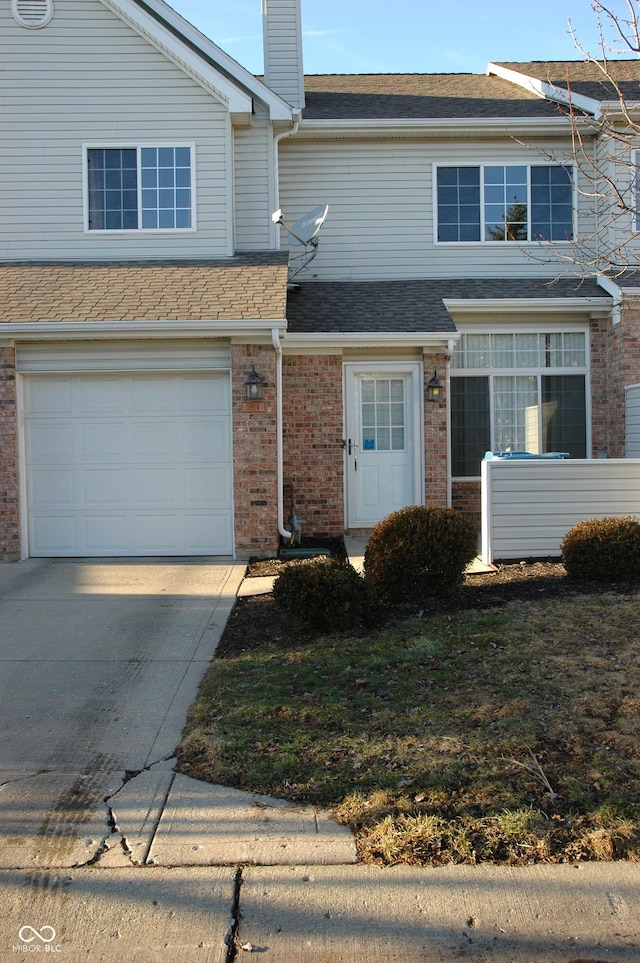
(137, 146)
(503, 163)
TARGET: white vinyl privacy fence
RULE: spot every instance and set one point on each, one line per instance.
(528, 506)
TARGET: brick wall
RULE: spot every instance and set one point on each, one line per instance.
(435, 438)
(254, 454)
(9, 497)
(466, 498)
(312, 435)
(623, 357)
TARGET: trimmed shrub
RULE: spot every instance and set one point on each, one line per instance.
(419, 552)
(603, 550)
(322, 593)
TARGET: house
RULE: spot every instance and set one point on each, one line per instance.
(170, 384)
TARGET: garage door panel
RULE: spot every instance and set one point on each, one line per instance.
(202, 485)
(105, 533)
(206, 441)
(100, 396)
(50, 396)
(100, 441)
(49, 442)
(205, 395)
(155, 396)
(104, 488)
(53, 534)
(214, 530)
(52, 487)
(129, 464)
(155, 439)
(157, 486)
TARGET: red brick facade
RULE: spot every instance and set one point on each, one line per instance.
(254, 453)
(9, 494)
(312, 433)
(435, 439)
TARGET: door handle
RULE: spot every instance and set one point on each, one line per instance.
(352, 444)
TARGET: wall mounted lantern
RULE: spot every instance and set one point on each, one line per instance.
(434, 388)
(253, 386)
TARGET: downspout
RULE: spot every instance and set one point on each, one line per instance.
(277, 347)
(276, 167)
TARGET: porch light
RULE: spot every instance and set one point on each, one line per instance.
(434, 388)
(253, 386)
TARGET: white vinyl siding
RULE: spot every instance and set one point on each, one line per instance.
(283, 50)
(253, 177)
(129, 92)
(381, 208)
(529, 506)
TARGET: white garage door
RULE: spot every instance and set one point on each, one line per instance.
(129, 464)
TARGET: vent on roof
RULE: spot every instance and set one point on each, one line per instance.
(32, 13)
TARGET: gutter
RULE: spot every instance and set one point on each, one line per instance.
(277, 347)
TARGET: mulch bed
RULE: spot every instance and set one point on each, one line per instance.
(255, 621)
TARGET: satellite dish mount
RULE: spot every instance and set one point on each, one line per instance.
(305, 233)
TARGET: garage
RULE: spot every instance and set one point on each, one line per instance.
(133, 462)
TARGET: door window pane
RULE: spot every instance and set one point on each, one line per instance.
(382, 414)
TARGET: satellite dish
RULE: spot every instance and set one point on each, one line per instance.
(304, 232)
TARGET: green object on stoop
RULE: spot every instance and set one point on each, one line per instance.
(289, 554)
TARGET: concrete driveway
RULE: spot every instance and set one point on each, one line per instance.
(101, 660)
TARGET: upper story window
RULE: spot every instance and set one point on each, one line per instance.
(505, 202)
(139, 188)
(32, 13)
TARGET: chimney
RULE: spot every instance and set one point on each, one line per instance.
(282, 35)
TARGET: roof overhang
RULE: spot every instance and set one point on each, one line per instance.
(436, 127)
(239, 329)
(432, 340)
(200, 58)
(591, 306)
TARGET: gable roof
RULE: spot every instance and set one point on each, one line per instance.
(198, 56)
(245, 287)
(419, 96)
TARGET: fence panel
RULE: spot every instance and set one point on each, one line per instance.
(529, 506)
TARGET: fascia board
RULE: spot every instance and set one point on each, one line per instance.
(370, 339)
(99, 330)
(528, 305)
(546, 90)
(453, 127)
(237, 100)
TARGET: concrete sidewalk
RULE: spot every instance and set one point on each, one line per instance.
(106, 854)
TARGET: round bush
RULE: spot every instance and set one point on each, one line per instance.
(419, 552)
(603, 550)
(321, 593)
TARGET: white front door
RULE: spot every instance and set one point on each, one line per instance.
(383, 446)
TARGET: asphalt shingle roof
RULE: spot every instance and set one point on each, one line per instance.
(352, 307)
(584, 77)
(418, 96)
(247, 286)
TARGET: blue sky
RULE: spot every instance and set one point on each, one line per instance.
(406, 36)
